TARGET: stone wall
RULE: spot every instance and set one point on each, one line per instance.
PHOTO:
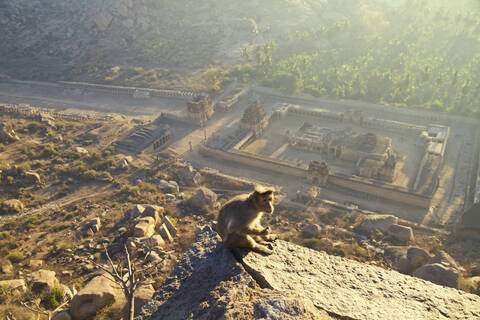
(385, 191)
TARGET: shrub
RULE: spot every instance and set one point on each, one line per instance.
(172, 220)
(312, 243)
(15, 256)
(2, 147)
(52, 299)
(48, 151)
(89, 174)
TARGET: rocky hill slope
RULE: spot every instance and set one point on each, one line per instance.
(296, 283)
(69, 39)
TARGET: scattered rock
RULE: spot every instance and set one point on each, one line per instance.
(6, 266)
(93, 225)
(165, 233)
(34, 263)
(136, 211)
(81, 150)
(7, 134)
(100, 292)
(312, 230)
(417, 257)
(43, 279)
(203, 198)
(123, 164)
(145, 227)
(169, 186)
(12, 206)
(377, 222)
(15, 284)
(154, 241)
(401, 233)
(189, 176)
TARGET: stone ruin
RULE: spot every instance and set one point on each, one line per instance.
(200, 109)
(254, 118)
(318, 172)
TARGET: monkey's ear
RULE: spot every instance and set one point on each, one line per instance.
(259, 189)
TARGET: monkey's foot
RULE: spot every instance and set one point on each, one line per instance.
(264, 249)
(270, 237)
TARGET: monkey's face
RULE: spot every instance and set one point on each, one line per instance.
(265, 202)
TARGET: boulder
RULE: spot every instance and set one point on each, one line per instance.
(312, 230)
(170, 227)
(142, 295)
(417, 257)
(100, 292)
(7, 134)
(43, 280)
(145, 227)
(299, 283)
(31, 177)
(379, 222)
(156, 212)
(154, 241)
(169, 186)
(203, 198)
(14, 284)
(12, 206)
(35, 263)
(439, 274)
(165, 233)
(441, 269)
(136, 211)
(401, 233)
(62, 315)
(406, 259)
(81, 150)
(6, 266)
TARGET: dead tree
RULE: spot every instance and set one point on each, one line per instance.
(128, 275)
(35, 307)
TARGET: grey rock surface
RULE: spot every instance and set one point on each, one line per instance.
(296, 283)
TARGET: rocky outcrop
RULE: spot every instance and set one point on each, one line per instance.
(31, 177)
(296, 283)
(93, 225)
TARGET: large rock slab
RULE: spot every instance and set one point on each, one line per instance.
(203, 198)
(441, 269)
(209, 283)
(298, 283)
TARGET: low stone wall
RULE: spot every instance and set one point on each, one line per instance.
(384, 191)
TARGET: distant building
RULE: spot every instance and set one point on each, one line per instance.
(254, 118)
(469, 225)
(200, 109)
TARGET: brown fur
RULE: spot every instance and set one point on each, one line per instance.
(239, 220)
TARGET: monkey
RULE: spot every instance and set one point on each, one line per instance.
(239, 221)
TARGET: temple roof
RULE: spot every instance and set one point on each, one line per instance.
(254, 114)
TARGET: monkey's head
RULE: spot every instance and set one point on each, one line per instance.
(262, 198)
